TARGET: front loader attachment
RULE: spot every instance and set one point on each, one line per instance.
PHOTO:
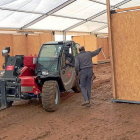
(10, 90)
(3, 95)
(10, 87)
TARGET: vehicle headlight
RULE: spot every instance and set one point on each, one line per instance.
(45, 72)
(2, 72)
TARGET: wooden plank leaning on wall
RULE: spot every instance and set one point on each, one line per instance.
(111, 49)
(127, 9)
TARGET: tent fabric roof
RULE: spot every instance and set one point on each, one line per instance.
(59, 15)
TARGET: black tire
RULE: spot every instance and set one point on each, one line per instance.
(76, 87)
(50, 96)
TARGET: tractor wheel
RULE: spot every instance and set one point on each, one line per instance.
(50, 96)
(76, 87)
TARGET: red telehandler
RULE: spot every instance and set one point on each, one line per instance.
(43, 77)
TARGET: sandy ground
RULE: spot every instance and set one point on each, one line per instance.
(102, 121)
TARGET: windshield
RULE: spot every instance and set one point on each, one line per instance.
(48, 57)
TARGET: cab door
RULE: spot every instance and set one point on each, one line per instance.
(67, 73)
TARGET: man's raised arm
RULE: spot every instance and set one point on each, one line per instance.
(96, 52)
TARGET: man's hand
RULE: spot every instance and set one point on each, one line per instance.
(67, 62)
(101, 47)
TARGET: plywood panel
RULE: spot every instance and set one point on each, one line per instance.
(20, 45)
(103, 42)
(5, 40)
(91, 45)
(46, 38)
(34, 44)
(126, 48)
(89, 41)
(79, 39)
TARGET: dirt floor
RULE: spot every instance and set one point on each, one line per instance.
(102, 121)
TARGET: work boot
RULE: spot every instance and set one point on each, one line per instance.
(85, 103)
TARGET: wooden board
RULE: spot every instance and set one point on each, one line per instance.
(34, 44)
(89, 41)
(91, 45)
(46, 38)
(127, 9)
(36, 41)
(126, 48)
(20, 45)
(103, 42)
(79, 39)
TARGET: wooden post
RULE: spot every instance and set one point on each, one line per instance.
(111, 49)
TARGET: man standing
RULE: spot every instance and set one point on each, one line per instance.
(83, 63)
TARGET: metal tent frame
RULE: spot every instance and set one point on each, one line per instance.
(41, 15)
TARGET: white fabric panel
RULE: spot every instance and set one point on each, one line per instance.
(81, 9)
(88, 27)
(4, 14)
(78, 9)
(102, 18)
(60, 37)
(17, 20)
(17, 4)
(3, 2)
(132, 3)
(54, 23)
(103, 1)
(42, 6)
(112, 2)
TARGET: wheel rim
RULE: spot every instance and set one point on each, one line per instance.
(56, 96)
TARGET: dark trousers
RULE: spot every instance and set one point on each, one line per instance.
(85, 83)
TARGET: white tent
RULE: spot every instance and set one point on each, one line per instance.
(87, 16)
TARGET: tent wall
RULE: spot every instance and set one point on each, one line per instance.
(105, 44)
(35, 42)
(90, 43)
(126, 54)
(22, 45)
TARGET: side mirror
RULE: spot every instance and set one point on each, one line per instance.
(8, 49)
(4, 53)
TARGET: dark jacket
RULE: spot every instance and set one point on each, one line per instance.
(84, 59)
